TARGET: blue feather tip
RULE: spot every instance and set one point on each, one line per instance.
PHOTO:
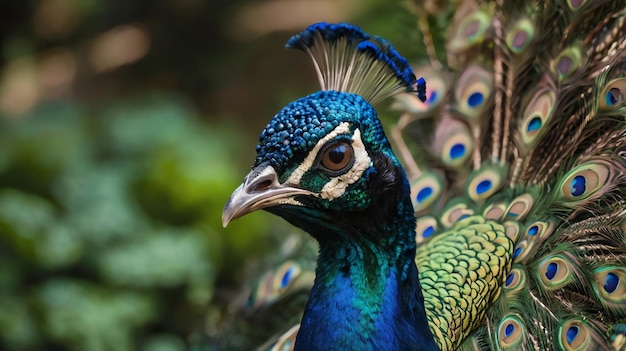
(345, 49)
(420, 87)
(329, 31)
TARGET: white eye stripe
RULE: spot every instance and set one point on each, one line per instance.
(297, 174)
(337, 185)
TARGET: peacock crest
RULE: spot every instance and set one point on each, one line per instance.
(348, 60)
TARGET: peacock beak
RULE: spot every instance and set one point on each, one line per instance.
(260, 189)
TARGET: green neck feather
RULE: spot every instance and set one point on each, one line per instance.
(367, 294)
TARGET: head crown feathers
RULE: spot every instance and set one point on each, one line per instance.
(347, 59)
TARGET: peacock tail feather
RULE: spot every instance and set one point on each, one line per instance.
(516, 158)
(261, 314)
(528, 133)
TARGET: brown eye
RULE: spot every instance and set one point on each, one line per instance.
(338, 157)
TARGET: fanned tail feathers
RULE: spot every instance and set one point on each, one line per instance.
(525, 126)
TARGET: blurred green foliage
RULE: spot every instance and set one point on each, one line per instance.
(110, 227)
(112, 180)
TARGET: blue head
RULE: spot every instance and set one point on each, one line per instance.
(323, 162)
(331, 145)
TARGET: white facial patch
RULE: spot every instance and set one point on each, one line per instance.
(337, 185)
(290, 201)
(296, 176)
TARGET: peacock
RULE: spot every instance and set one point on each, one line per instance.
(498, 223)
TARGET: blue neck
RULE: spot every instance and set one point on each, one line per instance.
(367, 294)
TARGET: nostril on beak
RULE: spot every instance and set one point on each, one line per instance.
(262, 185)
(263, 182)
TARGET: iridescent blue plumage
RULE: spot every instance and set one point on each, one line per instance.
(330, 33)
(346, 49)
(301, 124)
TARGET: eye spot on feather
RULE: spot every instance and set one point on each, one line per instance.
(567, 62)
(564, 64)
(285, 275)
(484, 183)
(555, 272)
(483, 187)
(537, 114)
(613, 93)
(520, 35)
(428, 231)
(523, 249)
(274, 283)
(578, 185)
(611, 282)
(515, 280)
(424, 194)
(575, 4)
(453, 141)
(475, 99)
(459, 214)
(510, 279)
(510, 332)
(584, 181)
(539, 230)
(575, 335)
(471, 31)
(551, 270)
(472, 91)
(533, 125)
(425, 228)
(284, 282)
(520, 39)
(572, 333)
(472, 28)
(425, 190)
(457, 151)
(613, 96)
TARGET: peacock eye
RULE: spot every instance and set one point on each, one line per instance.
(613, 96)
(338, 157)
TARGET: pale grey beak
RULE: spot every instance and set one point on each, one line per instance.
(260, 189)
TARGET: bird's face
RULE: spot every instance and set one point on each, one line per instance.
(322, 162)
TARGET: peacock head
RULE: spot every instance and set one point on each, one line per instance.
(323, 161)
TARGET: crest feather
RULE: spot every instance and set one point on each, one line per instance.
(350, 60)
